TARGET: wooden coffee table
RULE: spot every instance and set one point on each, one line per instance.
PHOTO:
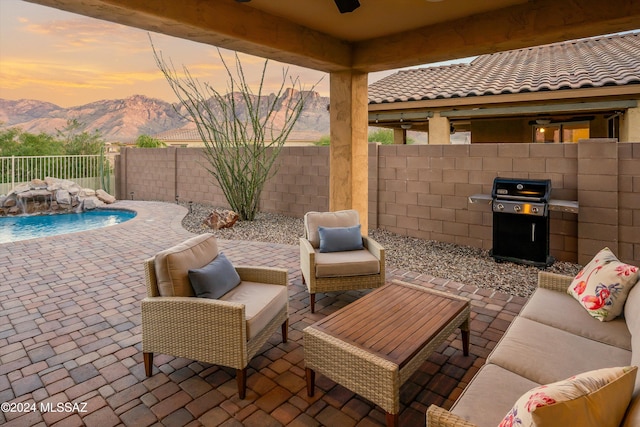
(373, 345)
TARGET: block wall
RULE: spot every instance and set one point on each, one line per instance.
(629, 202)
(423, 190)
(301, 183)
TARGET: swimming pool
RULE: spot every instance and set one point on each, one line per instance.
(16, 228)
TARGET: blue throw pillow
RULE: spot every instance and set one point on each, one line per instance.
(214, 279)
(339, 239)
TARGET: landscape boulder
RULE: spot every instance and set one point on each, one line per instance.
(221, 218)
(105, 197)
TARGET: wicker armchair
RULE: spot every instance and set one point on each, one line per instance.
(209, 330)
(338, 271)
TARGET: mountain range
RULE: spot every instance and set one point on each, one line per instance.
(123, 120)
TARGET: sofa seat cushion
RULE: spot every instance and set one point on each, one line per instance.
(592, 399)
(545, 354)
(351, 263)
(490, 395)
(632, 317)
(262, 302)
(562, 311)
(172, 265)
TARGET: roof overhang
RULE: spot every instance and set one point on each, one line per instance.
(591, 100)
(578, 107)
(379, 35)
(577, 95)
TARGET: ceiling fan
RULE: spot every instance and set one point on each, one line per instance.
(344, 6)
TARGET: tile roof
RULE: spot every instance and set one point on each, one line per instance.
(183, 134)
(192, 135)
(585, 63)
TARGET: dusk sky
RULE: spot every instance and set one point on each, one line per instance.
(68, 59)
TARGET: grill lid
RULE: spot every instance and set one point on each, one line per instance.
(533, 190)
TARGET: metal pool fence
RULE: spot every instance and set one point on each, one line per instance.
(90, 171)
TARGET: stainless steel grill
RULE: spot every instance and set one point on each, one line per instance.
(521, 220)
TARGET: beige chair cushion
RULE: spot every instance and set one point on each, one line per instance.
(351, 263)
(172, 265)
(313, 220)
(592, 399)
(262, 302)
(562, 311)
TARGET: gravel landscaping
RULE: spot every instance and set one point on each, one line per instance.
(463, 264)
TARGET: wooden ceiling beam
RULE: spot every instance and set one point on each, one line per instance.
(236, 26)
(221, 23)
(528, 24)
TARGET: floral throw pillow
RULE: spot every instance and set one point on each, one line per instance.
(591, 399)
(602, 285)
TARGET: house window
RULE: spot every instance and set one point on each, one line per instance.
(561, 132)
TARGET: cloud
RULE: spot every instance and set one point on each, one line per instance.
(17, 73)
(65, 58)
(79, 34)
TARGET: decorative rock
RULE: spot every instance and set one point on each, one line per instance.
(221, 219)
(56, 184)
(38, 184)
(21, 188)
(49, 195)
(91, 203)
(105, 197)
(32, 194)
(8, 201)
(63, 197)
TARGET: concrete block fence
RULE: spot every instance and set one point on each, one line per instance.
(423, 190)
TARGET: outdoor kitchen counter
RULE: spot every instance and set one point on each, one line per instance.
(557, 205)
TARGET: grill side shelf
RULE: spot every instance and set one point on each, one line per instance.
(556, 205)
(480, 198)
(569, 206)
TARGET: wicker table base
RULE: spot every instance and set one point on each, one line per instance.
(373, 345)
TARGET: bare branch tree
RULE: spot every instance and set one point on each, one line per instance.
(241, 149)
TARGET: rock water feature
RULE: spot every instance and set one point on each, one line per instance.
(52, 195)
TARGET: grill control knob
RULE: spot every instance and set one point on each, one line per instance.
(535, 210)
(517, 208)
(500, 206)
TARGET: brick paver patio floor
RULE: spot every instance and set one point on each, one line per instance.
(70, 333)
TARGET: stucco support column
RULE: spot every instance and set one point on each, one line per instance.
(439, 130)
(630, 125)
(348, 158)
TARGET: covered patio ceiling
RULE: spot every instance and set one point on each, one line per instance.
(378, 35)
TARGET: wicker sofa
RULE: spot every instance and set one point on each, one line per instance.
(227, 330)
(552, 339)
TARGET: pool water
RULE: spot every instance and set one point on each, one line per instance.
(16, 228)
